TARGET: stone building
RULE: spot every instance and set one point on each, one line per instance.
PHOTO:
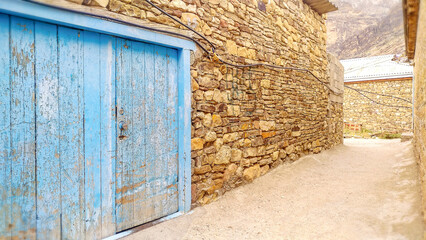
(237, 121)
(415, 41)
(246, 121)
(383, 100)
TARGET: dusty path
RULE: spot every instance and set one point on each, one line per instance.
(365, 189)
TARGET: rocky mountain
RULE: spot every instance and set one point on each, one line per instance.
(364, 28)
(373, 7)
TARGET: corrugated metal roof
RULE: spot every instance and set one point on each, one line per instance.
(321, 6)
(375, 68)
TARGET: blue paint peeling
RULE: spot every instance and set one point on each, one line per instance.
(85, 177)
(60, 17)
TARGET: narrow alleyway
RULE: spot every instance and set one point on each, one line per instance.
(364, 189)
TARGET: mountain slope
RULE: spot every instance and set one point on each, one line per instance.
(360, 31)
(343, 23)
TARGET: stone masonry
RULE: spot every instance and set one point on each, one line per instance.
(335, 108)
(420, 100)
(246, 121)
(378, 118)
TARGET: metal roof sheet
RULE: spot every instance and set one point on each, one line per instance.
(375, 68)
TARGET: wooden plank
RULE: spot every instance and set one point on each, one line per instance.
(81, 21)
(23, 129)
(71, 113)
(47, 147)
(108, 133)
(151, 134)
(324, 8)
(160, 115)
(321, 6)
(124, 175)
(139, 133)
(5, 160)
(184, 135)
(172, 127)
(92, 138)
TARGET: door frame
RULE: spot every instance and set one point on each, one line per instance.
(53, 15)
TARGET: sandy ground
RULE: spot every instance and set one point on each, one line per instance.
(364, 189)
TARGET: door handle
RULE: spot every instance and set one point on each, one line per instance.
(123, 126)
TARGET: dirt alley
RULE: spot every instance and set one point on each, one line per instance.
(364, 189)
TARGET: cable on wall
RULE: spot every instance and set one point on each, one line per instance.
(181, 23)
(211, 54)
(281, 68)
(384, 95)
(217, 58)
(383, 104)
(122, 22)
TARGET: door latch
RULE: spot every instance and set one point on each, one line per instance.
(123, 127)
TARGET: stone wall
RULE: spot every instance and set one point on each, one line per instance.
(378, 118)
(335, 102)
(247, 121)
(420, 100)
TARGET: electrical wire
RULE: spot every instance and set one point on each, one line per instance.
(260, 73)
(216, 57)
(122, 22)
(212, 54)
(383, 104)
(281, 68)
(181, 23)
(381, 94)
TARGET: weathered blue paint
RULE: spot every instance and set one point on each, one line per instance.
(92, 184)
(67, 173)
(108, 133)
(172, 129)
(160, 133)
(47, 132)
(23, 128)
(71, 131)
(125, 189)
(150, 128)
(184, 106)
(146, 160)
(5, 161)
(139, 131)
(65, 18)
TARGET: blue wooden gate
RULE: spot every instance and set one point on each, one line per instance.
(88, 132)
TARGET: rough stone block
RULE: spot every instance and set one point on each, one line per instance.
(203, 169)
(197, 143)
(223, 156)
(210, 136)
(251, 173)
